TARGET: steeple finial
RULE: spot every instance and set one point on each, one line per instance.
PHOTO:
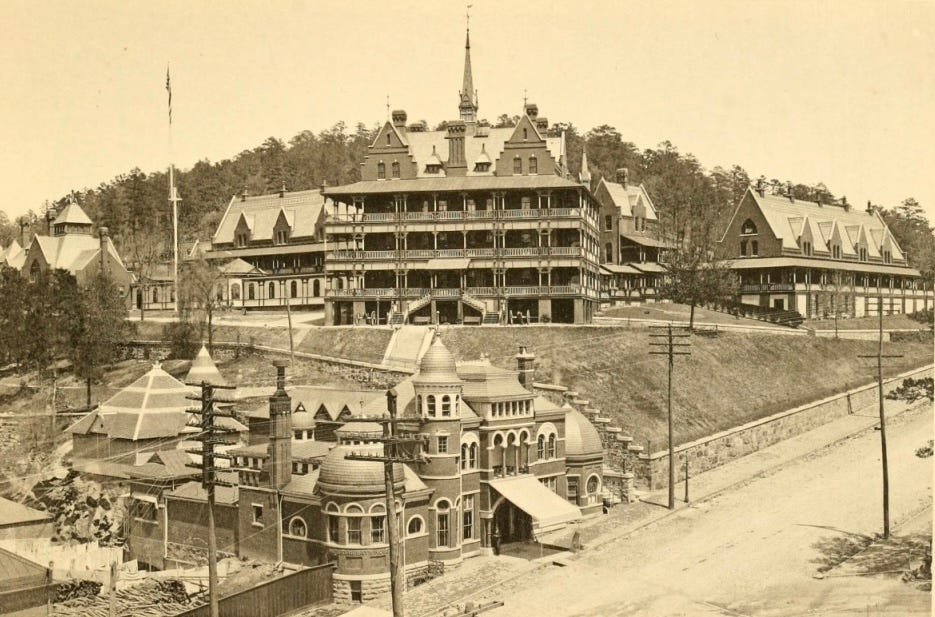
(585, 176)
(468, 95)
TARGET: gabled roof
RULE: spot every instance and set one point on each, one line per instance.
(301, 208)
(13, 514)
(72, 214)
(152, 406)
(19, 573)
(162, 465)
(489, 143)
(13, 255)
(789, 219)
(484, 381)
(239, 266)
(333, 401)
(627, 197)
(71, 252)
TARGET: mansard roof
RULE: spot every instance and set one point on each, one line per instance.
(301, 210)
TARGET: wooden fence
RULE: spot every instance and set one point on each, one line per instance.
(277, 597)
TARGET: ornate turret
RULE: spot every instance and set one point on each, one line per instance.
(468, 104)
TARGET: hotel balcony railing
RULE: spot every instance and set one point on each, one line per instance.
(459, 215)
(767, 287)
(455, 292)
(390, 255)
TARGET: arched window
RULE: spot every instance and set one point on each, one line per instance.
(334, 533)
(464, 455)
(446, 406)
(430, 404)
(472, 457)
(378, 529)
(235, 291)
(550, 453)
(381, 167)
(316, 288)
(395, 169)
(414, 527)
(353, 524)
(298, 528)
(271, 290)
(540, 447)
(594, 485)
(294, 289)
(442, 513)
(251, 291)
(748, 227)
(457, 409)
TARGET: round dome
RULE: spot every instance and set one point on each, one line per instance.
(437, 365)
(581, 438)
(342, 476)
(303, 420)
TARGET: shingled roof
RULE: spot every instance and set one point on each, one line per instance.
(153, 406)
(301, 209)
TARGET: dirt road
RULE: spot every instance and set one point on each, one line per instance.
(755, 550)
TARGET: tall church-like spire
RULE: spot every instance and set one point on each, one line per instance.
(585, 176)
(468, 105)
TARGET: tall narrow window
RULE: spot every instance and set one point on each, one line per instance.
(446, 406)
(430, 405)
(443, 445)
(472, 456)
(533, 165)
(272, 290)
(540, 447)
(381, 170)
(377, 529)
(754, 248)
(608, 222)
(353, 530)
(468, 517)
(551, 450)
(333, 529)
(294, 289)
(442, 527)
(395, 169)
(517, 165)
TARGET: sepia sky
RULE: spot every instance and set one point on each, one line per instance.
(841, 92)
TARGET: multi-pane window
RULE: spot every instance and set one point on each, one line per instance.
(378, 529)
(468, 517)
(395, 169)
(533, 165)
(381, 170)
(333, 528)
(754, 248)
(517, 165)
(446, 406)
(297, 528)
(573, 489)
(282, 236)
(430, 405)
(551, 449)
(443, 444)
(242, 239)
(442, 527)
(415, 526)
(353, 530)
(540, 447)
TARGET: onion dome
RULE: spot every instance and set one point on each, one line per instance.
(339, 475)
(204, 369)
(437, 366)
(581, 438)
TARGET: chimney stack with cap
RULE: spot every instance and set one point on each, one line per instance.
(103, 232)
(623, 176)
(525, 364)
(399, 119)
(282, 190)
(790, 195)
(280, 431)
(760, 187)
(532, 110)
(243, 195)
(869, 207)
(847, 206)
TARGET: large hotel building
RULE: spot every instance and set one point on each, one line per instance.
(467, 224)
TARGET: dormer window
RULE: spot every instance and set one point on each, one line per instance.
(533, 165)
(482, 166)
(282, 236)
(381, 170)
(432, 169)
(835, 251)
(806, 248)
(862, 253)
(396, 169)
(242, 239)
(887, 257)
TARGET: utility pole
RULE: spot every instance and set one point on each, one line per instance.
(211, 434)
(886, 474)
(392, 454)
(670, 344)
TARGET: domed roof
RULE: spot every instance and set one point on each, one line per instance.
(581, 438)
(341, 475)
(303, 420)
(437, 365)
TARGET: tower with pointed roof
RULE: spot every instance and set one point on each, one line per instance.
(468, 95)
(584, 177)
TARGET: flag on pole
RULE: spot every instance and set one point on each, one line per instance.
(169, 90)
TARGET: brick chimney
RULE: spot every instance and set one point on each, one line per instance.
(525, 364)
(623, 176)
(761, 187)
(456, 158)
(869, 207)
(282, 190)
(532, 110)
(399, 119)
(243, 195)
(103, 232)
(847, 206)
(280, 431)
(790, 195)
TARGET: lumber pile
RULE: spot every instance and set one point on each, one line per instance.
(153, 599)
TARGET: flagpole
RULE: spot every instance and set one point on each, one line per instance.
(174, 199)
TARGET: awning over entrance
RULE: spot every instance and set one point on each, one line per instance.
(451, 263)
(548, 510)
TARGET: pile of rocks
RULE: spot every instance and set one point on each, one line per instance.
(82, 510)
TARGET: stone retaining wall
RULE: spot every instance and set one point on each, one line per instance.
(652, 470)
